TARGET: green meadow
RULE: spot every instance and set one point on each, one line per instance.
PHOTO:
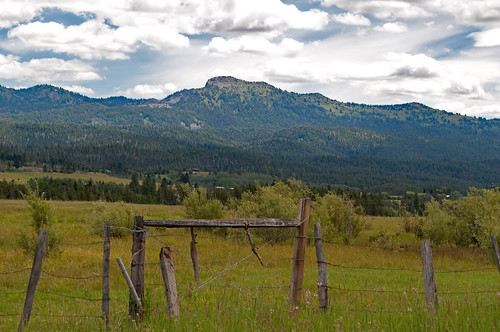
(375, 283)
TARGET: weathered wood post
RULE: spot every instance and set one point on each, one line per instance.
(105, 273)
(137, 262)
(496, 252)
(36, 270)
(168, 273)
(429, 275)
(299, 254)
(322, 268)
(133, 293)
(194, 256)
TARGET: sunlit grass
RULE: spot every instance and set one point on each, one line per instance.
(364, 293)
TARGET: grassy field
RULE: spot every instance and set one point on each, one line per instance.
(375, 283)
(24, 176)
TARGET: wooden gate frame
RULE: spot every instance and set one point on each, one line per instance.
(299, 252)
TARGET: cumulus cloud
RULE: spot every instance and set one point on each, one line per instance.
(91, 40)
(254, 44)
(351, 19)
(487, 38)
(395, 27)
(149, 91)
(382, 9)
(13, 12)
(46, 70)
(79, 89)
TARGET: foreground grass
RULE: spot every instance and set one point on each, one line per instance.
(372, 288)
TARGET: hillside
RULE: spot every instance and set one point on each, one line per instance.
(239, 126)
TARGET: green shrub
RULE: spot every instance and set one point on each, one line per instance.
(277, 201)
(469, 221)
(119, 214)
(338, 217)
(198, 206)
(42, 217)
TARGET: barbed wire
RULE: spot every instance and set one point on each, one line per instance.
(16, 271)
(66, 316)
(71, 296)
(73, 277)
(80, 244)
(374, 290)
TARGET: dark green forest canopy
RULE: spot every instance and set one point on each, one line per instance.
(237, 126)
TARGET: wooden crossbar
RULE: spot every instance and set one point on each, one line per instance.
(233, 223)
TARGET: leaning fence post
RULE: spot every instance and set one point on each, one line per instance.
(429, 275)
(168, 273)
(322, 268)
(194, 256)
(36, 270)
(133, 293)
(496, 252)
(137, 262)
(299, 254)
(105, 273)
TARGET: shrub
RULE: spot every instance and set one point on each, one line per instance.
(338, 218)
(279, 200)
(42, 216)
(469, 221)
(119, 214)
(198, 206)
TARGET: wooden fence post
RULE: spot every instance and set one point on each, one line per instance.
(299, 254)
(133, 293)
(429, 275)
(137, 262)
(105, 273)
(36, 270)
(168, 273)
(496, 252)
(194, 256)
(322, 268)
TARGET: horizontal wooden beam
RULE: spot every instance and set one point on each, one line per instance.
(233, 223)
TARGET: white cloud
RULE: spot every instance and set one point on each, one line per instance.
(79, 89)
(351, 19)
(395, 27)
(45, 70)
(382, 9)
(149, 91)
(253, 44)
(13, 12)
(91, 40)
(487, 38)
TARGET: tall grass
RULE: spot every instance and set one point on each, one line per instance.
(257, 299)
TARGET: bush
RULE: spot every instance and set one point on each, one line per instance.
(469, 221)
(277, 201)
(42, 216)
(338, 217)
(118, 214)
(198, 206)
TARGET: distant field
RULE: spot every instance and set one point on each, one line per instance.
(25, 176)
(375, 283)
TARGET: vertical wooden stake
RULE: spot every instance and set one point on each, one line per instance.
(167, 270)
(133, 293)
(299, 254)
(36, 270)
(105, 273)
(322, 268)
(429, 275)
(194, 256)
(496, 252)
(137, 263)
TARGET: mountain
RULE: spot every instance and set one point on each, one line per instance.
(235, 125)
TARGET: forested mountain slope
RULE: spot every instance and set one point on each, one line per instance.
(234, 125)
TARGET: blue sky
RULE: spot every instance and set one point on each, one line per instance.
(443, 53)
